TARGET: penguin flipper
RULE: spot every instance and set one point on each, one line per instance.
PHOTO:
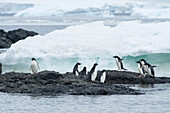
(122, 66)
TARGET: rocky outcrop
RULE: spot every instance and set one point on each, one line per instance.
(54, 83)
(4, 41)
(10, 37)
(124, 77)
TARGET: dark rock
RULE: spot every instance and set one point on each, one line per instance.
(19, 34)
(124, 77)
(8, 38)
(4, 41)
(54, 83)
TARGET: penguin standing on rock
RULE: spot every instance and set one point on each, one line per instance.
(119, 63)
(141, 69)
(143, 62)
(93, 72)
(151, 71)
(34, 66)
(75, 69)
(83, 72)
(103, 76)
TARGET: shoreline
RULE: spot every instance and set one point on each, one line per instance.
(53, 83)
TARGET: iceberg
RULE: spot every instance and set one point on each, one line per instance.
(102, 8)
(89, 43)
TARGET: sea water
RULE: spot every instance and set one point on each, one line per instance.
(156, 100)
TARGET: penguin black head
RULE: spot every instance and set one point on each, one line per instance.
(33, 59)
(103, 70)
(95, 64)
(143, 60)
(84, 68)
(78, 63)
(115, 57)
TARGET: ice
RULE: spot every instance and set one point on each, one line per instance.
(152, 13)
(67, 7)
(89, 43)
(104, 8)
(127, 38)
(12, 8)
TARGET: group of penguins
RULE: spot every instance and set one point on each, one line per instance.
(145, 69)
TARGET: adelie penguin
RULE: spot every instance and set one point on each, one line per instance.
(34, 66)
(83, 72)
(143, 62)
(93, 72)
(119, 63)
(151, 71)
(141, 69)
(75, 69)
(102, 76)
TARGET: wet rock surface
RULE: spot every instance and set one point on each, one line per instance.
(125, 77)
(53, 83)
(10, 37)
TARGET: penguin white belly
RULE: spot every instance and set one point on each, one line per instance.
(34, 67)
(118, 64)
(140, 69)
(144, 67)
(94, 75)
(149, 71)
(103, 77)
(77, 73)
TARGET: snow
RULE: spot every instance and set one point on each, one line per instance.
(127, 38)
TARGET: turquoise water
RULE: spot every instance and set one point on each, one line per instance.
(161, 60)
